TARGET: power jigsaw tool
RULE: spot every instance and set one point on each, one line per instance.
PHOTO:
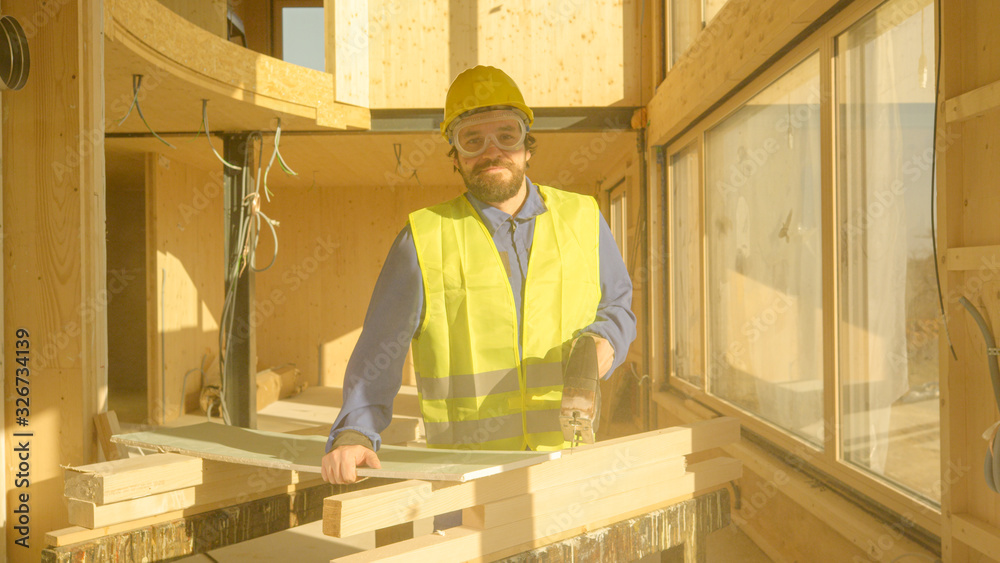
(581, 397)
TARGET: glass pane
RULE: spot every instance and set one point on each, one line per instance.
(890, 322)
(302, 40)
(686, 276)
(685, 23)
(762, 229)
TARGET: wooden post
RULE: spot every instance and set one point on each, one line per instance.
(241, 343)
(54, 269)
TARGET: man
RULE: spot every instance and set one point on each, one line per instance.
(489, 329)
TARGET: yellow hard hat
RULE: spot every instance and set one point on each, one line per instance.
(482, 87)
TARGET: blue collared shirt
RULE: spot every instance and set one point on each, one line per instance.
(374, 372)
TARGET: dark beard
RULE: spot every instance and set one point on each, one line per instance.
(490, 189)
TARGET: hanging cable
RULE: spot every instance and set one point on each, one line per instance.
(397, 149)
(136, 85)
(208, 135)
(937, 271)
(281, 162)
(249, 223)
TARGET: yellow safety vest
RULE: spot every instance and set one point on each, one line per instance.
(473, 388)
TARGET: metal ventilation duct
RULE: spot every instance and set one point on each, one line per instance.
(14, 59)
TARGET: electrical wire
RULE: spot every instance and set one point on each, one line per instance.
(397, 149)
(233, 270)
(937, 271)
(281, 162)
(208, 135)
(249, 223)
(136, 86)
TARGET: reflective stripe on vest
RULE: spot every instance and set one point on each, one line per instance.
(474, 390)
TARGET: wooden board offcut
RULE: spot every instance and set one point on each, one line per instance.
(303, 453)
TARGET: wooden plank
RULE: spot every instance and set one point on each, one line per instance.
(303, 453)
(352, 513)
(466, 542)
(976, 533)
(89, 515)
(237, 489)
(190, 531)
(633, 535)
(107, 426)
(590, 488)
(129, 478)
(973, 104)
(973, 258)
(394, 534)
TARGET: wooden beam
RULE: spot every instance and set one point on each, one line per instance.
(225, 485)
(89, 515)
(682, 522)
(466, 542)
(734, 45)
(352, 513)
(54, 261)
(972, 258)
(976, 533)
(973, 104)
(586, 489)
(187, 534)
(129, 478)
(394, 534)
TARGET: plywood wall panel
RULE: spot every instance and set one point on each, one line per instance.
(333, 243)
(979, 45)
(561, 53)
(980, 136)
(185, 269)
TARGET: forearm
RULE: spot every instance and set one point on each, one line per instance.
(614, 320)
(374, 371)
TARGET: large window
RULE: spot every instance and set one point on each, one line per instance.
(762, 219)
(686, 287)
(890, 320)
(619, 218)
(820, 315)
(687, 19)
(299, 33)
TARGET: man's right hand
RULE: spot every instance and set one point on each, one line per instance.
(341, 463)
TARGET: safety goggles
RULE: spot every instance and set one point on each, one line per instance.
(504, 128)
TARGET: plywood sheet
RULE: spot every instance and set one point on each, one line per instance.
(303, 453)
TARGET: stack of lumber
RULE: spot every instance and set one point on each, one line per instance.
(525, 508)
(114, 496)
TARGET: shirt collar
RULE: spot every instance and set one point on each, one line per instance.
(493, 217)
